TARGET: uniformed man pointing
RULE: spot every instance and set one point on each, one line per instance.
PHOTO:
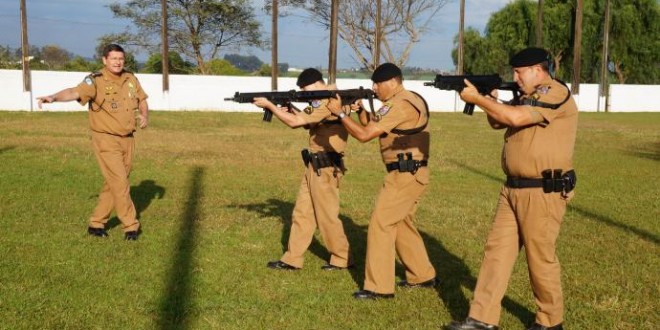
(114, 95)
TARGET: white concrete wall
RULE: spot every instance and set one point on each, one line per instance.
(207, 93)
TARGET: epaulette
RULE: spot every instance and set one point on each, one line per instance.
(89, 79)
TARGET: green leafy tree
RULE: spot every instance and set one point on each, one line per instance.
(198, 29)
(80, 64)
(8, 58)
(264, 70)
(220, 67)
(634, 46)
(474, 60)
(245, 63)
(54, 57)
(635, 41)
(177, 65)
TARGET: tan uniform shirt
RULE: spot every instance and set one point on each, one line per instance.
(326, 133)
(547, 145)
(113, 101)
(404, 110)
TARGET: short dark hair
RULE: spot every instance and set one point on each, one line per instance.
(112, 48)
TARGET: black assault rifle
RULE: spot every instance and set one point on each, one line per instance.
(485, 84)
(348, 96)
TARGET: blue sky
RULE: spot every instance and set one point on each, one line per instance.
(76, 25)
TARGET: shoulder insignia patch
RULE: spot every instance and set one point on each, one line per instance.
(385, 109)
(315, 104)
(89, 80)
(543, 90)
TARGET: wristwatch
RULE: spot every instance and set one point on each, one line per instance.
(341, 115)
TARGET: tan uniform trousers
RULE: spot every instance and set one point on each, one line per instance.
(317, 204)
(115, 157)
(531, 218)
(392, 231)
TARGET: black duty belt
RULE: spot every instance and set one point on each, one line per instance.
(514, 182)
(552, 181)
(321, 160)
(406, 164)
(395, 166)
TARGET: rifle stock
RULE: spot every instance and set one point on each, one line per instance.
(485, 84)
(348, 96)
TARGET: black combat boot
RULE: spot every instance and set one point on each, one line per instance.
(470, 324)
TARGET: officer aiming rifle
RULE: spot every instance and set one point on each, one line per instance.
(285, 99)
(485, 84)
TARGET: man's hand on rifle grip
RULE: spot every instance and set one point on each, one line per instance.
(470, 94)
(334, 105)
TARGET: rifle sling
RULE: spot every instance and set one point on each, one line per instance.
(537, 103)
(415, 130)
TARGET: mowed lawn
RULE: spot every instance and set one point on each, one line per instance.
(215, 191)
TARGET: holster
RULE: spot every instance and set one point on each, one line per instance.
(321, 160)
(407, 164)
(555, 181)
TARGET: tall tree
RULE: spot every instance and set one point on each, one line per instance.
(634, 47)
(198, 29)
(55, 57)
(402, 24)
(577, 47)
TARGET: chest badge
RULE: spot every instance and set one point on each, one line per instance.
(131, 90)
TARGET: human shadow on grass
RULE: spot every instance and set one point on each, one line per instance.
(643, 234)
(7, 148)
(282, 210)
(453, 275)
(651, 151)
(142, 196)
(173, 313)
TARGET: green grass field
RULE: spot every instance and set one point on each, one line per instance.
(214, 192)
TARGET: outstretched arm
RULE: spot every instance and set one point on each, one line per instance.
(286, 117)
(65, 95)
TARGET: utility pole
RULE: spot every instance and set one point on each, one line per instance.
(376, 59)
(27, 83)
(165, 52)
(332, 56)
(577, 48)
(461, 28)
(604, 89)
(273, 55)
(539, 24)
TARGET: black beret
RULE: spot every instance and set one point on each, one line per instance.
(529, 57)
(308, 77)
(385, 71)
